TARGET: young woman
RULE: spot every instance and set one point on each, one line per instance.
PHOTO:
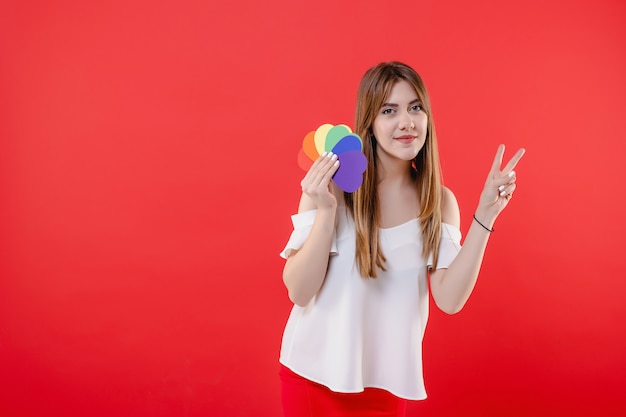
(357, 264)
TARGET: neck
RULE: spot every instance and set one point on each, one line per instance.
(393, 171)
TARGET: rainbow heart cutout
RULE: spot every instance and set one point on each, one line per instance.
(341, 141)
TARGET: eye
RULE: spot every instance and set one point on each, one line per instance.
(416, 108)
(387, 111)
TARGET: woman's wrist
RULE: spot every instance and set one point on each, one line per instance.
(330, 209)
(489, 229)
(484, 218)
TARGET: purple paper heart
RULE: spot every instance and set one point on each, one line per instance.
(349, 176)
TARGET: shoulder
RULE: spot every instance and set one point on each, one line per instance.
(450, 212)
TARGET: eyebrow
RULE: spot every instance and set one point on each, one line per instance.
(417, 100)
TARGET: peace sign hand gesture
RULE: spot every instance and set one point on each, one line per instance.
(499, 186)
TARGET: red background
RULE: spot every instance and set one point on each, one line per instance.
(148, 171)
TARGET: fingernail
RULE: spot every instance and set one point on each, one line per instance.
(502, 194)
(501, 187)
(329, 154)
(324, 154)
(334, 156)
(337, 162)
(511, 174)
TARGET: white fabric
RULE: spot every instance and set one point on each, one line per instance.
(363, 332)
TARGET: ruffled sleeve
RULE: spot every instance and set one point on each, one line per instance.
(449, 246)
(302, 223)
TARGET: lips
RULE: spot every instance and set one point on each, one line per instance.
(405, 139)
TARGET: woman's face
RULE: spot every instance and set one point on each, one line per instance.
(401, 125)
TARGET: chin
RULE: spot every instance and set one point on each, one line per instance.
(407, 157)
(412, 155)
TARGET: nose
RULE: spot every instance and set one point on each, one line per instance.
(406, 122)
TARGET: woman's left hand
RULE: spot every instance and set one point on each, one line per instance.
(499, 186)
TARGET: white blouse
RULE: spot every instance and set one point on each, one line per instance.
(362, 332)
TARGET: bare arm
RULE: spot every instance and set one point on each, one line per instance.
(305, 269)
(452, 287)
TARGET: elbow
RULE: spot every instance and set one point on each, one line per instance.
(452, 311)
(296, 295)
(450, 308)
(298, 299)
(450, 302)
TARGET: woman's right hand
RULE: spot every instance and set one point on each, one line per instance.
(316, 183)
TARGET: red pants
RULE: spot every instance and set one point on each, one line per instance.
(304, 398)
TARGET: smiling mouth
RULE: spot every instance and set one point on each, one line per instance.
(405, 138)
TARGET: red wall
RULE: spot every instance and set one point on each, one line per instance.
(148, 171)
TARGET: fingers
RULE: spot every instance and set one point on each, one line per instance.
(505, 180)
(497, 161)
(506, 190)
(316, 183)
(501, 184)
(513, 162)
(321, 171)
(329, 164)
(320, 164)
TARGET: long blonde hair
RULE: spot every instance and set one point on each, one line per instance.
(374, 90)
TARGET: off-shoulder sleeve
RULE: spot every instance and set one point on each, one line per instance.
(449, 246)
(302, 223)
